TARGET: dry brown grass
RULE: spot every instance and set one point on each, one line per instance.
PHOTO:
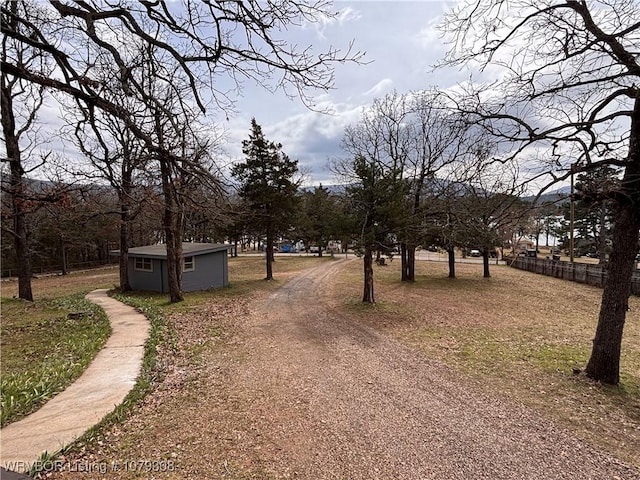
(244, 272)
(50, 286)
(180, 423)
(518, 333)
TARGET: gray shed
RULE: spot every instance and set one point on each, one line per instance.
(204, 266)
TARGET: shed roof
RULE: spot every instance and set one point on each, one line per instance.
(188, 249)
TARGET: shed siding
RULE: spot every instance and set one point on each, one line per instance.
(211, 271)
(149, 281)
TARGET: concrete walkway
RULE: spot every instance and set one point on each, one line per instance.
(103, 386)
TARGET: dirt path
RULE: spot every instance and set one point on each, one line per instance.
(333, 400)
(277, 384)
(105, 383)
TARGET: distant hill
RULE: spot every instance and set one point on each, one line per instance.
(555, 196)
(334, 189)
(559, 195)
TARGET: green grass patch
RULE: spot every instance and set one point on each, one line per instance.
(161, 336)
(491, 350)
(46, 345)
(518, 334)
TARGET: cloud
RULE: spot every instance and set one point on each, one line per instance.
(314, 138)
(311, 137)
(401, 41)
(379, 89)
(343, 16)
(429, 36)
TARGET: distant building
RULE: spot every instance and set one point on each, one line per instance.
(524, 244)
(204, 266)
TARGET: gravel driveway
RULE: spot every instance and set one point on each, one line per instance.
(335, 400)
(277, 384)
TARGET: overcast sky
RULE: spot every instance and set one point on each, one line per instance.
(401, 42)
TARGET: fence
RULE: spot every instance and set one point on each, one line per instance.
(575, 272)
(50, 269)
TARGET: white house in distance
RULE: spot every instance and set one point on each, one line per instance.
(204, 266)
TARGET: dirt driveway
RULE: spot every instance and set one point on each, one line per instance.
(338, 400)
(300, 393)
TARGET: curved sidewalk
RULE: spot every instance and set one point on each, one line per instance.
(104, 385)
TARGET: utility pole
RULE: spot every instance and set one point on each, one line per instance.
(571, 215)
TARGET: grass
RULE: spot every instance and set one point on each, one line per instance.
(44, 349)
(190, 332)
(43, 326)
(517, 333)
(161, 336)
(53, 286)
(247, 273)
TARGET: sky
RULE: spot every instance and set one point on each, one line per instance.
(402, 43)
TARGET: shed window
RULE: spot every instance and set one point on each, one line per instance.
(188, 264)
(143, 264)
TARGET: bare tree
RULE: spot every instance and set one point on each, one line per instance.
(95, 48)
(417, 140)
(20, 103)
(485, 203)
(438, 139)
(202, 42)
(117, 156)
(570, 89)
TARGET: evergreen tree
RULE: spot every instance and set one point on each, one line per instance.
(594, 208)
(266, 184)
(377, 200)
(318, 216)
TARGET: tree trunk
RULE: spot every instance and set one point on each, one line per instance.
(169, 220)
(547, 233)
(485, 263)
(403, 262)
(179, 235)
(271, 251)
(604, 363)
(602, 237)
(269, 255)
(63, 255)
(368, 296)
(411, 262)
(21, 243)
(451, 253)
(125, 286)
(20, 232)
(173, 281)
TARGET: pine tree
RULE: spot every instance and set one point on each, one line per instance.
(266, 184)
